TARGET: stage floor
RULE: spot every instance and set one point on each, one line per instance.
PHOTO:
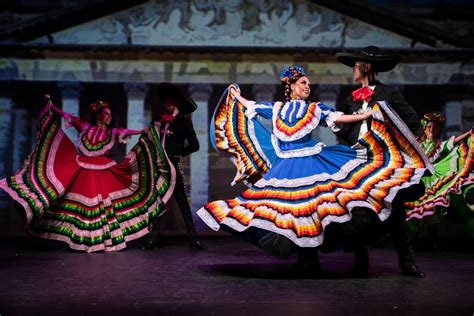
(37, 277)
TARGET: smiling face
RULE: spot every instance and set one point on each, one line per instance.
(301, 88)
(432, 131)
(104, 117)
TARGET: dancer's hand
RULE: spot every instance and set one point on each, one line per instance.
(234, 91)
(367, 114)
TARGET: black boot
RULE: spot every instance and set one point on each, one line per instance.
(406, 255)
(412, 270)
(433, 236)
(196, 244)
(299, 267)
(406, 261)
(152, 245)
(360, 267)
(307, 263)
(315, 270)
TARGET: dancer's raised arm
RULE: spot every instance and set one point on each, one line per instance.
(461, 137)
(241, 99)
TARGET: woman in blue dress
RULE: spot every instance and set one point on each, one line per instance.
(298, 185)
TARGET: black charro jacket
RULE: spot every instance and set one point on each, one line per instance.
(350, 132)
(181, 139)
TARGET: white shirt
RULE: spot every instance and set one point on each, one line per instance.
(363, 125)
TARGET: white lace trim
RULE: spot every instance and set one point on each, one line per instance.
(301, 152)
(405, 131)
(250, 110)
(112, 195)
(96, 153)
(122, 135)
(332, 118)
(314, 217)
(290, 234)
(251, 107)
(300, 133)
(107, 245)
(50, 163)
(90, 166)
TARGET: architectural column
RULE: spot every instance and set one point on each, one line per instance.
(264, 92)
(453, 111)
(70, 92)
(6, 142)
(136, 93)
(21, 137)
(21, 148)
(199, 164)
(327, 94)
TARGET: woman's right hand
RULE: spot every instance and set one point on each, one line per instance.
(234, 91)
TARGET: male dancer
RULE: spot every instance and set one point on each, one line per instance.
(179, 140)
(365, 65)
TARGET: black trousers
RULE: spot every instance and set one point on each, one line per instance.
(181, 198)
(365, 229)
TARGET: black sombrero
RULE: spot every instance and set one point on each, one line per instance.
(168, 90)
(372, 55)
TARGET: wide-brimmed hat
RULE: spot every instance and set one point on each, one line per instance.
(372, 55)
(168, 90)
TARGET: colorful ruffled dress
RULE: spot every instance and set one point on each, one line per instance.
(88, 200)
(299, 185)
(451, 182)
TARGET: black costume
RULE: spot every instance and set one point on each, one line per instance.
(179, 140)
(350, 134)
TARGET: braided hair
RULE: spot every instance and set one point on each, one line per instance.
(288, 76)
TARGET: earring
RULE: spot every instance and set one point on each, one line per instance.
(293, 95)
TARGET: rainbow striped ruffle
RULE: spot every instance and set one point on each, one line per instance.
(245, 141)
(89, 208)
(298, 197)
(453, 178)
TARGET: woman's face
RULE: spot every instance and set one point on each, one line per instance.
(432, 131)
(301, 88)
(105, 117)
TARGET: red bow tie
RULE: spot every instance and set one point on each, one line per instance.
(362, 94)
(167, 118)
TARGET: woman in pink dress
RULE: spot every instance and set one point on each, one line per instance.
(86, 199)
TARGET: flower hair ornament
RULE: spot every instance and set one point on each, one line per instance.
(96, 107)
(432, 117)
(291, 73)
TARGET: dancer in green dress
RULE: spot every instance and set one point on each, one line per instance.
(452, 183)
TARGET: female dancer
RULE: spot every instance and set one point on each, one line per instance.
(453, 180)
(299, 185)
(86, 199)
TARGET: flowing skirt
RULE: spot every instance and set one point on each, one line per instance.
(450, 187)
(91, 203)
